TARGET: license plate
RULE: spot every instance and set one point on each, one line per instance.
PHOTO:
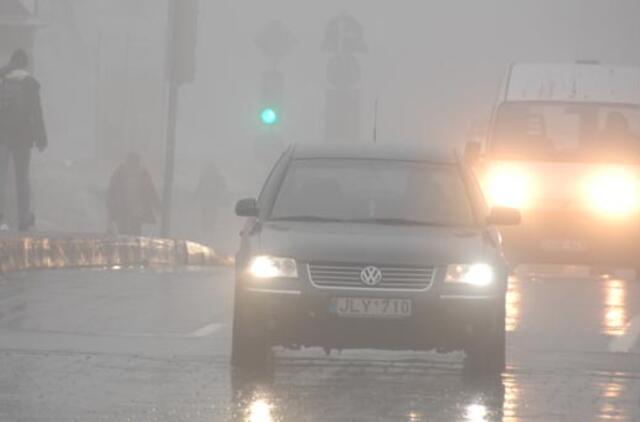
(359, 307)
(564, 245)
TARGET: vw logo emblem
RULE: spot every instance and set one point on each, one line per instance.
(371, 276)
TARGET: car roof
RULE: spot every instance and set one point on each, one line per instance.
(397, 152)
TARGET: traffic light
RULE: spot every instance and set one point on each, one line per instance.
(272, 97)
(269, 116)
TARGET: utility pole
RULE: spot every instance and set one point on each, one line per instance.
(375, 121)
(180, 68)
(170, 157)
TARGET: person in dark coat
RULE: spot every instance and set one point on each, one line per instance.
(21, 128)
(132, 199)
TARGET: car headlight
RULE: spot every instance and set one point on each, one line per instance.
(507, 186)
(480, 275)
(614, 192)
(267, 267)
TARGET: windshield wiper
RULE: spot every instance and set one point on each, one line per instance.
(398, 222)
(310, 218)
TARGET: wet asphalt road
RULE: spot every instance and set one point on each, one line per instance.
(154, 346)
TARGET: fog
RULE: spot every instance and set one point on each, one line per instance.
(434, 68)
(159, 261)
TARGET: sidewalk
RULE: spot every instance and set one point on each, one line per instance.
(32, 251)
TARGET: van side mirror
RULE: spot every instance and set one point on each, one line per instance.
(504, 216)
(472, 153)
(247, 208)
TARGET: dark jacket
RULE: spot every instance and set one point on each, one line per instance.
(24, 127)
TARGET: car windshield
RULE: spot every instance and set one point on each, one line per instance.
(567, 129)
(373, 191)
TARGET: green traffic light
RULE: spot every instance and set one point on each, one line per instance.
(269, 116)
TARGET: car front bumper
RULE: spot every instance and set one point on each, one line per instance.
(443, 320)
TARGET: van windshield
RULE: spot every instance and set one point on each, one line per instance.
(548, 129)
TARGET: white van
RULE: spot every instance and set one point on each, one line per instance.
(564, 148)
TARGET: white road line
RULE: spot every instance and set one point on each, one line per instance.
(207, 330)
(626, 342)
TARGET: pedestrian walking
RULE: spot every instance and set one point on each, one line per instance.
(132, 200)
(21, 128)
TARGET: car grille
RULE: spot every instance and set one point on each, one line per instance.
(393, 277)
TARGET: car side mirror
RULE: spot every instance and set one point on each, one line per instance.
(247, 208)
(504, 216)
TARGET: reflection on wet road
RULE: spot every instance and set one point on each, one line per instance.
(404, 391)
(615, 307)
(367, 389)
(431, 395)
(151, 346)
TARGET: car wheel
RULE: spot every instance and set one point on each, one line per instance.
(249, 346)
(486, 354)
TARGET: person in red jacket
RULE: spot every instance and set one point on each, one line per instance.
(132, 199)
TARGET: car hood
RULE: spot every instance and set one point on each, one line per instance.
(380, 244)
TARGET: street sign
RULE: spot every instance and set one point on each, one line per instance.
(344, 35)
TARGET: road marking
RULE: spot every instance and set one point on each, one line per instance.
(207, 330)
(626, 342)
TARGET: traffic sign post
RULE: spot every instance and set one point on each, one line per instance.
(344, 38)
(180, 68)
(275, 41)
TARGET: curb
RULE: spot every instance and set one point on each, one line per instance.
(82, 251)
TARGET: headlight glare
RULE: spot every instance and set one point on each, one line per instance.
(614, 192)
(267, 267)
(480, 275)
(508, 186)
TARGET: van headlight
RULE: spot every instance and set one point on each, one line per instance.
(480, 275)
(508, 185)
(267, 267)
(613, 192)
